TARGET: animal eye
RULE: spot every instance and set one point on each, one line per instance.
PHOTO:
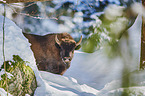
(57, 46)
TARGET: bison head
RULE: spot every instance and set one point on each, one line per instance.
(67, 47)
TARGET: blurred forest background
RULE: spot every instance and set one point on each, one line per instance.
(99, 21)
(102, 23)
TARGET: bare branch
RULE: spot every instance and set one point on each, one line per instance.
(17, 1)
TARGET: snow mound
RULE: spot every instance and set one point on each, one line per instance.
(48, 84)
(56, 85)
(15, 43)
(131, 91)
(93, 71)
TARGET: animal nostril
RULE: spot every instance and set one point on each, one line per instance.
(67, 58)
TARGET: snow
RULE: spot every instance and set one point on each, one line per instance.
(78, 17)
(89, 75)
(113, 11)
(3, 1)
(9, 10)
(134, 91)
(3, 92)
(48, 84)
(63, 86)
(119, 25)
(92, 70)
(96, 69)
(137, 8)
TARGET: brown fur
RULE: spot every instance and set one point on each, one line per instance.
(47, 52)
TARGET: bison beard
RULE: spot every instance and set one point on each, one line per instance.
(53, 52)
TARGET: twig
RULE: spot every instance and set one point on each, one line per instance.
(3, 47)
(30, 15)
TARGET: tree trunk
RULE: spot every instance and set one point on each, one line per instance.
(142, 58)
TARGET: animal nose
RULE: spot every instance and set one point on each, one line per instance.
(67, 59)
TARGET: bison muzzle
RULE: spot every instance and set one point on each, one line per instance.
(53, 52)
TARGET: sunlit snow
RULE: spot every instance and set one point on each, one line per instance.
(89, 74)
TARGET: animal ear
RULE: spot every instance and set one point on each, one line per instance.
(78, 47)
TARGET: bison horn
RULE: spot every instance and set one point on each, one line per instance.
(78, 43)
(57, 41)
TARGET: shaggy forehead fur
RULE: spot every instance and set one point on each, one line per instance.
(47, 52)
(68, 45)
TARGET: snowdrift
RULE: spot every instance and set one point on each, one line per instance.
(89, 74)
(48, 84)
